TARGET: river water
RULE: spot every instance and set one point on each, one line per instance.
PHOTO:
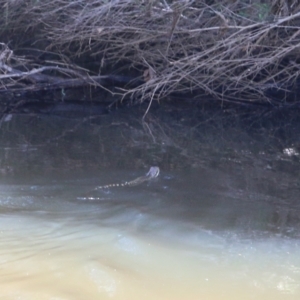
(220, 222)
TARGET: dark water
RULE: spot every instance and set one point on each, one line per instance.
(220, 222)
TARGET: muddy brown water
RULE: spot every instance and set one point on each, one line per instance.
(220, 222)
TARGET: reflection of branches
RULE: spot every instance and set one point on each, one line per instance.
(148, 129)
(168, 138)
(175, 137)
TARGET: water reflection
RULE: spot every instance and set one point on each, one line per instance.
(226, 226)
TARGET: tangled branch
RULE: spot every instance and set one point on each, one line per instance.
(228, 49)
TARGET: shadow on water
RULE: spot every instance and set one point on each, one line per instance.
(220, 222)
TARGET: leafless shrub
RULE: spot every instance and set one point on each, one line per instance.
(228, 49)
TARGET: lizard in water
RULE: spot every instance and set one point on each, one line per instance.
(152, 173)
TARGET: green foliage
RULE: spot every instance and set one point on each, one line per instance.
(264, 11)
(256, 11)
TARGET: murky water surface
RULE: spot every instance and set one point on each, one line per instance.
(220, 222)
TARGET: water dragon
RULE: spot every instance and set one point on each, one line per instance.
(152, 173)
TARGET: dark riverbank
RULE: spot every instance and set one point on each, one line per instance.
(233, 51)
